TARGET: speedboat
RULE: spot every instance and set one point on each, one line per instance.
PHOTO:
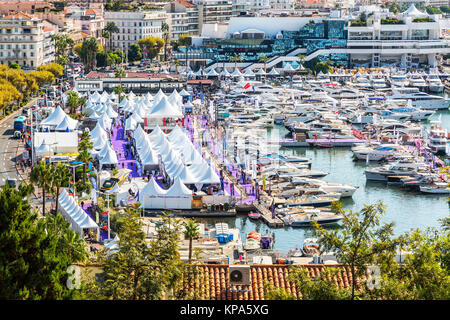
(313, 215)
(400, 168)
(375, 153)
(436, 188)
(435, 84)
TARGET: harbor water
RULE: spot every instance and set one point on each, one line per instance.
(407, 209)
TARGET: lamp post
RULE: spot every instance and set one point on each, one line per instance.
(74, 169)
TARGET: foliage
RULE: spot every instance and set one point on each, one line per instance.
(432, 10)
(320, 287)
(139, 270)
(185, 40)
(322, 67)
(359, 240)
(13, 65)
(61, 178)
(151, 46)
(424, 274)
(77, 49)
(273, 293)
(358, 23)
(34, 253)
(426, 19)
(42, 176)
(56, 69)
(389, 20)
(134, 53)
(191, 232)
(445, 9)
(84, 155)
(43, 77)
(62, 45)
(74, 101)
(88, 52)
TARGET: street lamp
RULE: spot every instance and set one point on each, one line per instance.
(74, 166)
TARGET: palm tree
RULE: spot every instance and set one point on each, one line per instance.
(264, 60)
(61, 178)
(120, 73)
(42, 176)
(111, 28)
(166, 34)
(84, 155)
(191, 232)
(177, 64)
(236, 58)
(301, 58)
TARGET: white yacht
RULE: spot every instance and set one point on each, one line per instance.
(378, 83)
(417, 81)
(377, 153)
(435, 84)
(419, 99)
(399, 80)
(438, 139)
(400, 168)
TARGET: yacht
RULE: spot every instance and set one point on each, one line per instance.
(400, 168)
(399, 80)
(438, 139)
(362, 82)
(417, 81)
(378, 83)
(375, 153)
(419, 99)
(435, 84)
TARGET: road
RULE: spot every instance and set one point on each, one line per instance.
(8, 149)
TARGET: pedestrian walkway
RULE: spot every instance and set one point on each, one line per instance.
(119, 142)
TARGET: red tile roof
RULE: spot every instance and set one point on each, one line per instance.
(213, 282)
(91, 11)
(186, 3)
(18, 15)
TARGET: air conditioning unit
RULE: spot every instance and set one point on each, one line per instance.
(239, 275)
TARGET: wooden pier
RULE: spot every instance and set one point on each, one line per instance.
(266, 216)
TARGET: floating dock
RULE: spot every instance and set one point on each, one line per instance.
(319, 143)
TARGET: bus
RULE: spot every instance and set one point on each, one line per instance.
(19, 123)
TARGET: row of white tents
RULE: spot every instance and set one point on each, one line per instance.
(178, 156)
(58, 120)
(76, 216)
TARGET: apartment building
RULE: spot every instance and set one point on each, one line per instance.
(134, 26)
(182, 18)
(86, 4)
(408, 39)
(213, 11)
(25, 40)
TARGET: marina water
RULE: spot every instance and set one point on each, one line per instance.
(407, 209)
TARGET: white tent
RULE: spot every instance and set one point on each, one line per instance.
(75, 215)
(152, 196)
(236, 73)
(105, 121)
(110, 158)
(100, 141)
(212, 73)
(110, 112)
(288, 67)
(260, 72)
(164, 109)
(273, 72)
(178, 196)
(210, 177)
(55, 118)
(414, 12)
(44, 149)
(225, 73)
(184, 93)
(67, 124)
(249, 73)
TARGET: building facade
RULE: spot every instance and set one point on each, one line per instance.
(410, 39)
(213, 11)
(134, 26)
(24, 41)
(182, 18)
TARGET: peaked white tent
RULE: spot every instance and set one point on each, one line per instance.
(110, 158)
(236, 73)
(184, 93)
(44, 149)
(55, 118)
(273, 72)
(178, 196)
(249, 73)
(164, 109)
(67, 124)
(152, 196)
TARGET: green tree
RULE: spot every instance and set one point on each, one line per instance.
(84, 155)
(111, 28)
(191, 232)
(120, 73)
(119, 90)
(236, 58)
(61, 178)
(139, 270)
(42, 176)
(74, 101)
(166, 37)
(134, 52)
(88, 52)
(33, 258)
(264, 60)
(151, 46)
(361, 238)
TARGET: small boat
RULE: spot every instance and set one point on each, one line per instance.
(252, 241)
(436, 188)
(254, 215)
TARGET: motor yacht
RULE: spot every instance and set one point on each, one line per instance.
(419, 99)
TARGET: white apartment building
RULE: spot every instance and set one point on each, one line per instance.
(24, 41)
(287, 5)
(182, 18)
(213, 11)
(134, 26)
(417, 39)
(239, 6)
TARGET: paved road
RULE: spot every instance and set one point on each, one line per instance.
(8, 148)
